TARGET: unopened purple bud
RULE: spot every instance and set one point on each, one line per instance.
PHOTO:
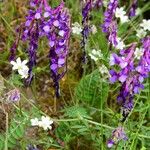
(28, 22)
(54, 66)
(37, 15)
(46, 14)
(123, 64)
(110, 143)
(46, 28)
(61, 61)
(122, 78)
(51, 43)
(56, 23)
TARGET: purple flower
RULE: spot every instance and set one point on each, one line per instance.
(133, 8)
(59, 42)
(131, 74)
(54, 24)
(97, 3)
(117, 135)
(31, 147)
(86, 9)
(110, 26)
(13, 95)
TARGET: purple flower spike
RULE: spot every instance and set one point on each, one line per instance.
(110, 26)
(131, 74)
(59, 43)
(133, 8)
(13, 52)
(87, 7)
(54, 24)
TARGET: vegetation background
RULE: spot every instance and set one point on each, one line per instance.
(87, 112)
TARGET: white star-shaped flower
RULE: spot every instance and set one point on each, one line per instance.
(45, 123)
(141, 33)
(18, 64)
(145, 24)
(138, 53)
(21, 67)
(93, 29)
(103, 69)
(76, 28)
(95, 55)
(120, 13)
(34, 122)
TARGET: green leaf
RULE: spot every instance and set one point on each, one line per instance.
(92, 89)
(76, 111)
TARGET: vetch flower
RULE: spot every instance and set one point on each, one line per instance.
(52, 23)
(97, 3)
(45, 123)
(86, 9)
(109, 15)
(117, 135)
(13, 95)
(110, 25)
(133, 8)
(31, 147)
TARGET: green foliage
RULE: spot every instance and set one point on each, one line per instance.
(15, 80)
(76, 111)
(92, 89)
(16, 132)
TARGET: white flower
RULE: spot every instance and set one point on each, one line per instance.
(21, 67)
(76, 29)
(120, 13)
(45, 123)
(141, 33)
(120, 44)
(105, 3)
(93, 29)
(95, 55)
(138, 53)
(34, 122)
(124, 19)
(145, 24)
(24, 72)
(18, 64)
